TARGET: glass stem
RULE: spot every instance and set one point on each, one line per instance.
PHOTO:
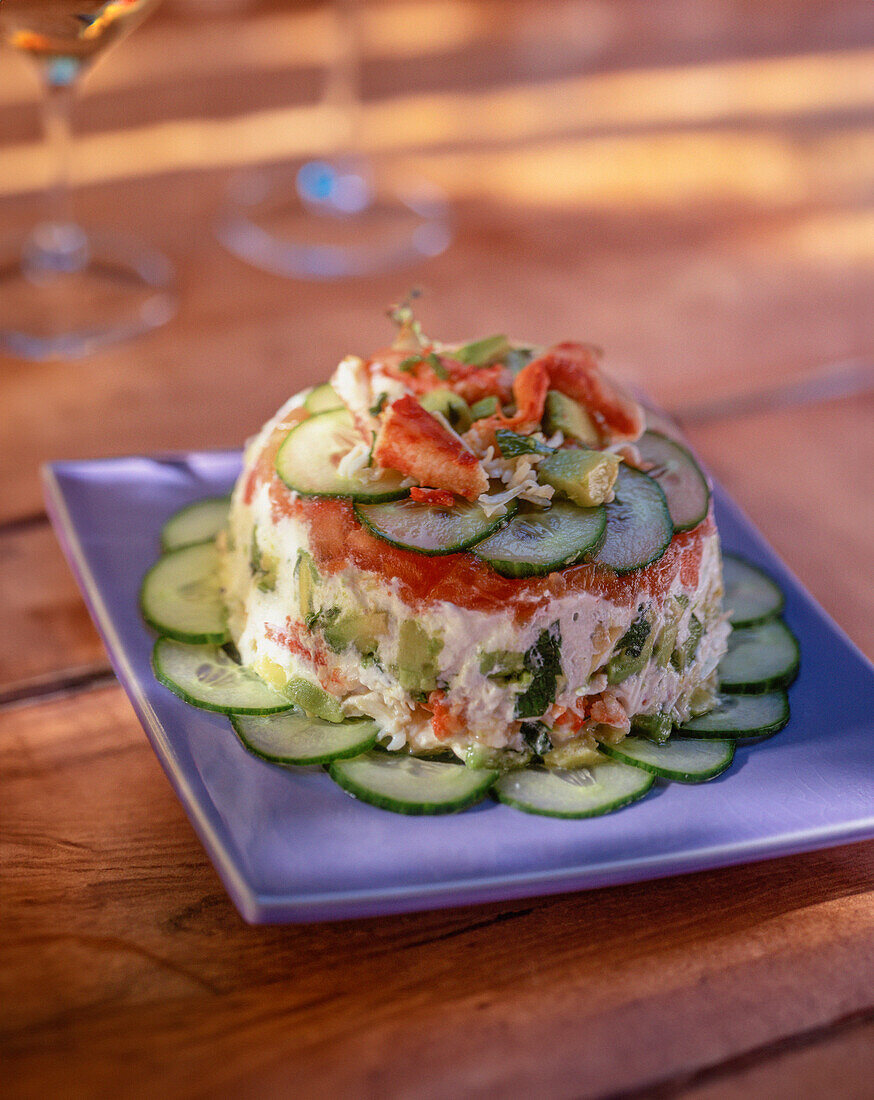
(58, 245)
(343, 92)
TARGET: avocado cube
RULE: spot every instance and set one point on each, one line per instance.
(451, 405)
(585, 477)
(362, 631)
(563, 414)
(487, 406)
(417, 653)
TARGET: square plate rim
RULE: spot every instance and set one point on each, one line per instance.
(257, 907)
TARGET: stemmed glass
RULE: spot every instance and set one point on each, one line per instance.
(65, 292)
(333, 218)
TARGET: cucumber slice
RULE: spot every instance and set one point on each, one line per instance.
(534, 543)
(181, 596)
(685, 761)
(679, 475)
(760, 658)
(741, 716)
(639, 525)
(407, 785)
(750, 595)
(293, 738)
(583, 792)
(206, 677)
(322, 399)
(199, 522)
(307, 461)
(427, 529)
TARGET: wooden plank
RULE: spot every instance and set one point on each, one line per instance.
(46, 634)
(124, 968)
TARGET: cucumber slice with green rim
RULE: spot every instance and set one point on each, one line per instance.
(307, 461)
(322, 399)
(181, 596)
(760, 658)
(293, 738)
(407, 785)
(639, 525)
(685, 761)
(679, 475)
(741, 716)
(199, 522)
(750, 595)
(206, 677)
(583, 792)
(533, 543)
(428, 529)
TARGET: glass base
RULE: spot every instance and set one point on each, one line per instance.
(328, 220)
(65, 294)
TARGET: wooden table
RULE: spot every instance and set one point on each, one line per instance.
(688, 185)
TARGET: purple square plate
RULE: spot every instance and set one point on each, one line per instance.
(291, 846)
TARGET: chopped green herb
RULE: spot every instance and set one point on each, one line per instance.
(437, 365)
(378, 405)
(536, 737)
(511, 444)
(409, 364)
(543, 660)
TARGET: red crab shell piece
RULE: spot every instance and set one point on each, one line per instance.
(414, 442)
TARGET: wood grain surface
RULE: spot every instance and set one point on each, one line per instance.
(688, 185)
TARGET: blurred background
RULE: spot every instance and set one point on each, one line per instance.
(688, 183)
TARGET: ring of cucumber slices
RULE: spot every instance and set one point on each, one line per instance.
(181, 595)
(309, 457)
(409, 785)
(683, 761)
(427, 529)
(539, 542)
(760, 658)
(738, 717)
(206, 677)
(582, 792)
(751, 596)
(294, 738)
(198, 522)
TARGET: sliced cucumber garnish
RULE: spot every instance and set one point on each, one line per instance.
(740, 716)
(407, 785)
(206, 677)
(639, 525)
(428, 529)
(199, 522)
(750, 595)
(322, 399)
(293, 738)
(533, 543)
(759, 658)
(181, 595)
(685, 486)
(685, 761)
(583, 792)
(307, 461)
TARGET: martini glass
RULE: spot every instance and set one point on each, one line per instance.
(64, 292)
(335, 218)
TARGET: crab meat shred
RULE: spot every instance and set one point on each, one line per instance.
(414, 442)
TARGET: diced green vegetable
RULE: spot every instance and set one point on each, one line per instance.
(487, 406)
(563, 414)
(632, 651)
(451, 405)
(511, 444)
(307, 577)
(313, 700)
(482, 353)
(654, 727)
(586, 477)
(417, 653)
